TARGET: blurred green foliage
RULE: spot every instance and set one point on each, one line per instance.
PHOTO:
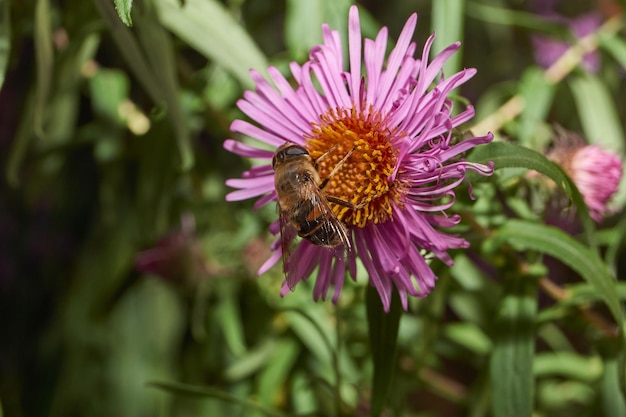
(112, 120)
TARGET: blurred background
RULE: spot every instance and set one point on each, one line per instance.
(128, 285)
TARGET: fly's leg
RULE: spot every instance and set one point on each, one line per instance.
(325, 154)
(337, 167)
(348, 204)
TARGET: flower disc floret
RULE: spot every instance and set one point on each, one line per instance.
(365, 178)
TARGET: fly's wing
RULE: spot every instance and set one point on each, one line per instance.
(344, 250)
(326, 231)
(332, 232)
(287, 235)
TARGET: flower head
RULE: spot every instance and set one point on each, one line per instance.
(399, 179)
(596, 172)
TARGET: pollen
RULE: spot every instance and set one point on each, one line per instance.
(359, 188)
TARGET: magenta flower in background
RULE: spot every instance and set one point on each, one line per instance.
(176, 257)
(547, 50)
(597, 174)
(404, 169)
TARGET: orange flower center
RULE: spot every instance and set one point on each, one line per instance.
(363, 180)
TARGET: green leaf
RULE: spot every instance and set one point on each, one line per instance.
(64, 104)
(535, 89)
(611, 397)
(447, 23)
(561, 396)
(579, 295)
(560, 245)
(568, 365)
(510, 17)
(207, 392)
(312, 334)
(508, 155)
(155, 72)
(251, 361)
(383, 337)
(5, 38)
(614, 241)
(303, 26)
(108, 89)
(514, 346)
(304, 19)
(44, 60)
(583, 293)
(210, 29)
(470, 336)
(33, 117)
(156, 43)
(21, 141)
(129, 48)
(123, 8)
(597, 111)
(232, 325)
(273, 377)
(614, 45)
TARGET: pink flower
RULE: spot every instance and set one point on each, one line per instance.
(597, 174)
(177, 256)
(404, 169)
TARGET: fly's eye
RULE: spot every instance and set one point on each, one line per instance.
(296, 150)
(287, 151)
